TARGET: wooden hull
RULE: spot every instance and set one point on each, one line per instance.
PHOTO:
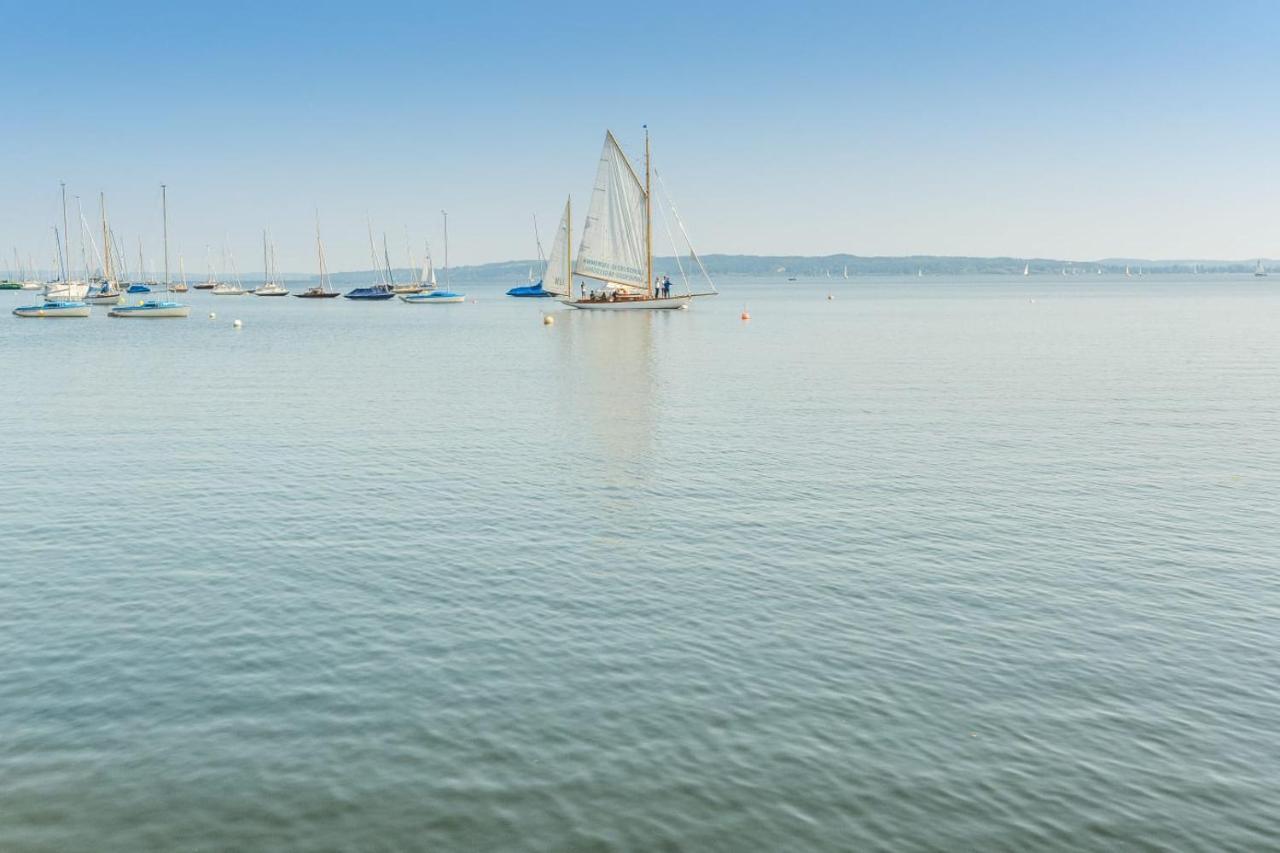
(673, 303)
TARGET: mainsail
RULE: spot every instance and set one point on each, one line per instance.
(613, 236)
(556, 278)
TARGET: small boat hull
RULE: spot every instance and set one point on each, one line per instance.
(51, 310)
(671, 303)
(205, 286)
(377, 296)
(318, 294)
(104, 298)
(530, 291)
(412, 288)
(151, 310)
(439, 297)
(228, 292)
(271, 293)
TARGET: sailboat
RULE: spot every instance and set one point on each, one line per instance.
(533, 288)
(1026, 270)
(210, 283)
(54, 308)
(433, 296)
(229, 287)
(1259, 271)
(374, 292)
(323, 289)
(64, 290)
(181, 287)
(417, 285)
(1127, 274)
(269, 286)
(106, 290)
(156, 307)
(846, 271)
(617, 239)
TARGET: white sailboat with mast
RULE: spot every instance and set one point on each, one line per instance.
(617, 239)
(270, 286)
(107, 290)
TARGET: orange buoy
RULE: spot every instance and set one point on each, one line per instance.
(745, 315)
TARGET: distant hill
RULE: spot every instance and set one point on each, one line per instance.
(802, 266)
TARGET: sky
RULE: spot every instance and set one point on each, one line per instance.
(1075, 130)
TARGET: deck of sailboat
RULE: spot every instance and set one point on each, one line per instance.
(631, 303)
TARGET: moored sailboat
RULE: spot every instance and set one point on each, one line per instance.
(433, 296)
(156, 308)
(269, 286)
(533, 288)
(323, 290)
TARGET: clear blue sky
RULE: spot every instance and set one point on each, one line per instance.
(1058, 129)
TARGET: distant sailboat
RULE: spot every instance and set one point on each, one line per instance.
(433, 296)
(1127, 274)
(375, 292)
(846, 271)
(1259, 271)
(107, 291)
(269, 286)
(534, 288)
(154, 308)
(323, 289)
(211, 282)
(1026, 270)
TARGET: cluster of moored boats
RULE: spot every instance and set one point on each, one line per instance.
(615, 255)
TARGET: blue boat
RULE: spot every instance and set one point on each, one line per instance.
(529, 290)
(152, 308)
(55, 308)
(434, 296)
(138, 288)
(377, 291)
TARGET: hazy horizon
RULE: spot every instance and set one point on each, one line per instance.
(1085, 133)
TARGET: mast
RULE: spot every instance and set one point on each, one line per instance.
(84, 258)
(445, 214)
(266, 264)
(106, 238)
(386, 259)
(320, 253)
(568, 246)
(65, 261)
(164, 207)
(648, 218)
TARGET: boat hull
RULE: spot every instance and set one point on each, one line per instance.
(150, 311)
(318, 295)
(271, 293)
(104, 298)
(673, 303)
(434, 299)
(370, 297)
(217, 292)
(49, 312)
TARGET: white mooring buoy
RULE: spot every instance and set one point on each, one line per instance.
(236, 324)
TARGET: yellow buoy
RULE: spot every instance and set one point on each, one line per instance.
(547, 319)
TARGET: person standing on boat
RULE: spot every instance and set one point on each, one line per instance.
(666, 287)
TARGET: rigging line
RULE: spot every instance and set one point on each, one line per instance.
(680, 223)
(667, 227)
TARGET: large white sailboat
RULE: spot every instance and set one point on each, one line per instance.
(617, 240)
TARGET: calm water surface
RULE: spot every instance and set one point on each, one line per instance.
(936, 565)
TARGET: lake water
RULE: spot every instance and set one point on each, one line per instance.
(984, 564)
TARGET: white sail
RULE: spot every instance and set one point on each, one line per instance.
(556, 280)
(613, 236)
